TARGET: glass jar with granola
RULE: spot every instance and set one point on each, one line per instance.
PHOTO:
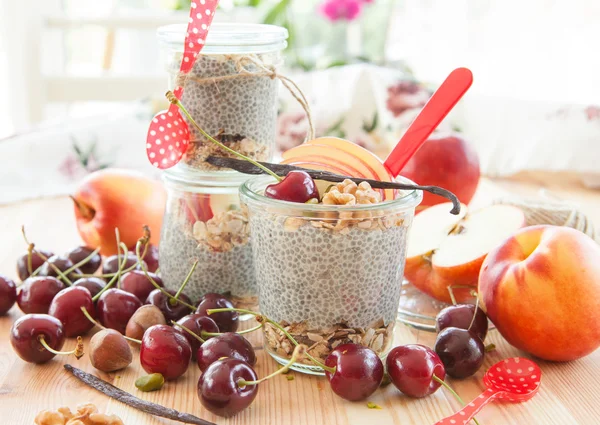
(204, 221)
(329, 273)
(231, 91)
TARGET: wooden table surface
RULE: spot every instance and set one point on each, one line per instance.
(569, 392)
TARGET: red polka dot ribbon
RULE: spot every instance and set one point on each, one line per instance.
(168, 136)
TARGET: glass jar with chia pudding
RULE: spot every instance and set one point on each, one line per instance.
(231, 91)
(329, 273)
(204, 221)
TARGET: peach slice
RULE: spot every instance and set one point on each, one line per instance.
(324, 151)
(372, 161)
(323, 164)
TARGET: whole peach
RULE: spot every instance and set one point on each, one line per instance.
(115, 198)
(541, 288)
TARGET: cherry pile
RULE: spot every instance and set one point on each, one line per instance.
(67, 296)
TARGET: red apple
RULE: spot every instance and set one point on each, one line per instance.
(447, 161)
(541, 288)
(114, 198)
(446, 250)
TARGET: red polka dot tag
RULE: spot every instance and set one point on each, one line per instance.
(168, 136)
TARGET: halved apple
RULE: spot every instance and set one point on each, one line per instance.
(446, 250)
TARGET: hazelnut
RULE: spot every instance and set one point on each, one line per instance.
(145, 317)
(109, 351)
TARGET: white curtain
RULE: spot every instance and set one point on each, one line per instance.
(534, 49)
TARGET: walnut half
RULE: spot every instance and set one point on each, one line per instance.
(87, 414)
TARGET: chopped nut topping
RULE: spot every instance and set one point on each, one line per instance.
(86, 414)
(223, 232)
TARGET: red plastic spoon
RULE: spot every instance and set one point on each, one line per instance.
(514, 380)
(436, 109)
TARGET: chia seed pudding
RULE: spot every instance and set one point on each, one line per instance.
(329, 273)
(204, 221)
(227, 92)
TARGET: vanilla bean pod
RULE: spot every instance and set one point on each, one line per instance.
(282, 170)
(132, 401)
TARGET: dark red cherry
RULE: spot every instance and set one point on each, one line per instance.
(36, 262)
(460, 316)
(165, 350)
(80, 253)
(227, 321)
(411, 369)
(297, 186)
(8, 294)
(25, 337)
(92, 284)
(139, 285)
(172, 310)
(62, 264)
(151, 257)
(197, 324)
(358, 371)
(66, 307)
(111, 264)
(37, 293)
(115, 307)
(228, 344)
(460, 350)
(219, 391)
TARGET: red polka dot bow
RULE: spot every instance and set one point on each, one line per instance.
(168, 136)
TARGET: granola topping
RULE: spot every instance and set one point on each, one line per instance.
(86, 414)
(322, 341)
(198, 151)
(223, 232)
(350, 194)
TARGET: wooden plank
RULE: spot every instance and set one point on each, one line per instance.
(568, 394)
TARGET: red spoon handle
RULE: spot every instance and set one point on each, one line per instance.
(466, 414)
(442, 102)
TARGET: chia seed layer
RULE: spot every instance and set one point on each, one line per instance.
(243, 106)
(323, 278)
(230, 271)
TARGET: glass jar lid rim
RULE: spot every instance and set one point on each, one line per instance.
(191, 177)
(228, 34)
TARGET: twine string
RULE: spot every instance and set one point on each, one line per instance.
(241, 66)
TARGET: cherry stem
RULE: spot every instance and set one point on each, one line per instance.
(245, 331)
(173, 300)
(29, 259)
(152, 281)
(297, 355)
(31, 246)
(454, 393)
(451, 289)
(77, 351)
(192, 333)
(118, 238)
(171, 97)
(474, 314)
(95, 322)
(114, 278)
(83, 262)
(259, 317)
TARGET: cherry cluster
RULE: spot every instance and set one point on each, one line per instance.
(66, 296)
